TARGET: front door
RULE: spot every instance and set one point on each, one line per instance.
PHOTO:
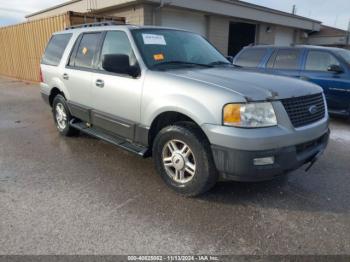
(116, 97)
(335, 85)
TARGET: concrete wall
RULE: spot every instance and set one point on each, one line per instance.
(266, 34)
(134, 14)
(218, 32)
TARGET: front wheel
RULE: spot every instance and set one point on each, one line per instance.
(183, 158)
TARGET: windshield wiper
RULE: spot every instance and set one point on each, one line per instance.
(182, 63)
(219, 63)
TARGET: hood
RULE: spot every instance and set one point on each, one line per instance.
(252, 86)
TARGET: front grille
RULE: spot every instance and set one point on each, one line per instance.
(305, 110)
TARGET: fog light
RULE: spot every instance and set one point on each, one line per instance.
(264, 161)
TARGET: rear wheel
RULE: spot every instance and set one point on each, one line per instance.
(62, 117)
(183, 158)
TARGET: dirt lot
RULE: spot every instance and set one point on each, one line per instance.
(83, 196)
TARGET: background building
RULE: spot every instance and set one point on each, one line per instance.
(228, 24)
(330, 36)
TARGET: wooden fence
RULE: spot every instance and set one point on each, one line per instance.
(22, 45)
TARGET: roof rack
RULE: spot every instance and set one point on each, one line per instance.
(105, 23)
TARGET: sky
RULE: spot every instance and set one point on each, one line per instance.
(330, 12)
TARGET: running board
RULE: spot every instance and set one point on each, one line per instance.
(119, 142)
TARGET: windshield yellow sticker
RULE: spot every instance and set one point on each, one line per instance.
(158, 57)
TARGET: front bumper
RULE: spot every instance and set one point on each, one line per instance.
(238, 165)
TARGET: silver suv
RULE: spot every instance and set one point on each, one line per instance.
(170, 94)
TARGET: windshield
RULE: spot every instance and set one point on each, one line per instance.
(345, 54)
(167, 49)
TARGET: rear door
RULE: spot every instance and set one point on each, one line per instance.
(77, 75)
(285, 62)
(315, 69)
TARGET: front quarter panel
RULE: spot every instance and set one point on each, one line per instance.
(165, 92)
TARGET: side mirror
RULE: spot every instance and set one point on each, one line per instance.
(335, 68)
(119, 64)
(230, 59)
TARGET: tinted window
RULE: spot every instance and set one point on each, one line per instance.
(117, 43)
(250, 58)
(55, 49)
(320, 61)
(87, 50)
(286, 59)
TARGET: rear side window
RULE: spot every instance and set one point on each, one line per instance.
(285, 59)
(320, 61)
(250, 57)
(86, 51)
(55, 49)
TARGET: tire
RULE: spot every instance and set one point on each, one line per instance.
(62, 117)
(192, 172)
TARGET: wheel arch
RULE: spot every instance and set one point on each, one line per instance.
(54, 92)
(168, 118)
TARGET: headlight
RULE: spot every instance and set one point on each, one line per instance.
(250, 115)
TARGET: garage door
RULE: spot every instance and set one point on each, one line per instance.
(184, 20)
(284, 36)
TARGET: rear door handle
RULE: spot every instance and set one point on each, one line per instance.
(65, 76)
(100, 83)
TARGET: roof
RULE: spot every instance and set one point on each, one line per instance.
(330, 31)
(228, 8)
(296, 47)
(235, 2)
(270, 10)
(108, 27)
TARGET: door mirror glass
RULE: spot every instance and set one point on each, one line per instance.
(119, 64)
(335, 68)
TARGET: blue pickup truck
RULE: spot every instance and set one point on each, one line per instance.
(328, 67)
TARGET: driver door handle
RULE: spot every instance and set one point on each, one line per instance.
(100, 83)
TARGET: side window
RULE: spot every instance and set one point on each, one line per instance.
(320, 61)
(86, 51)
(250, 57)
(117, 42)
(285, 59)
(55, 49)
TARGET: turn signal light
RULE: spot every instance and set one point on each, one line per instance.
(232, 114)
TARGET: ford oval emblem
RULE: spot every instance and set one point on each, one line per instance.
(313, 110)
